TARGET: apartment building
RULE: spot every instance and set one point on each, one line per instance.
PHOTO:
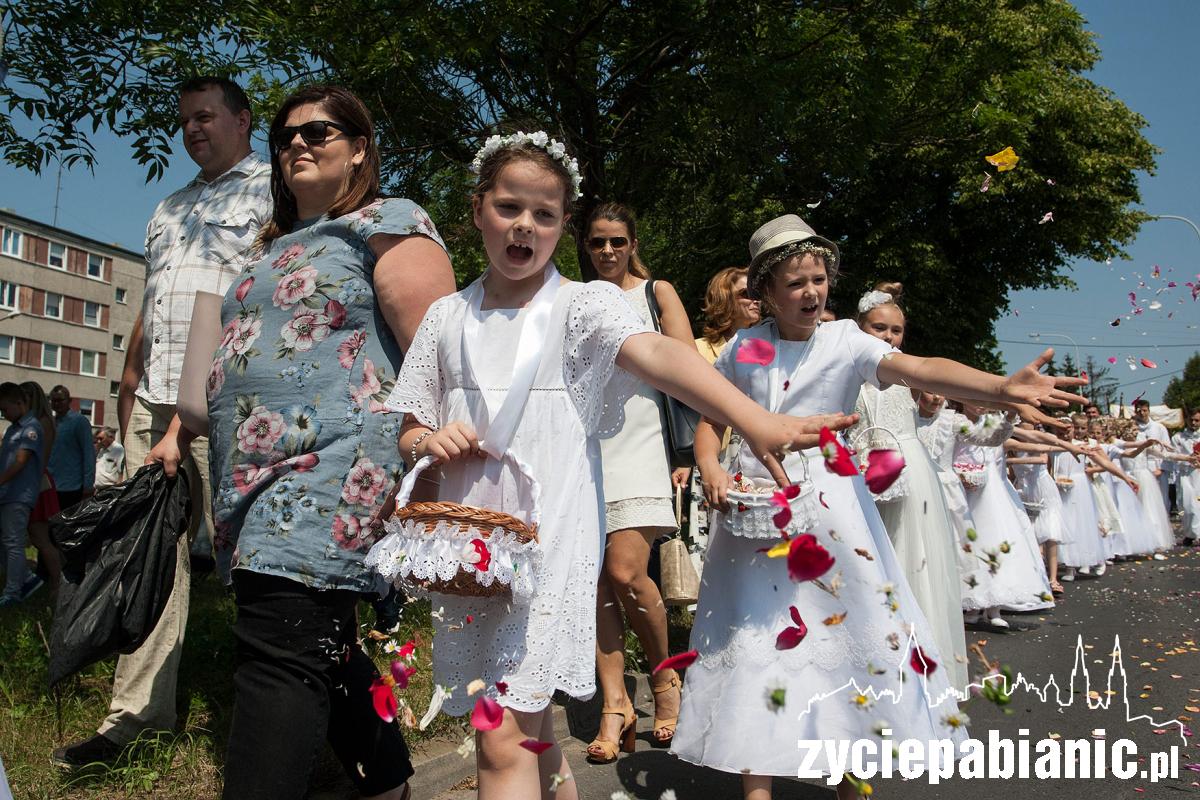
(67, 306)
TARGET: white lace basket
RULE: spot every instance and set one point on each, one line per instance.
(899, 488)
(751, 513)
(438, 547)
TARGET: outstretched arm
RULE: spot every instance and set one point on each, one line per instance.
(680, 371)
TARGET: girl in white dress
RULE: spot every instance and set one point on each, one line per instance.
(1134, 462)
(779, 661)
(523, 364)
(1042, 500)
(913, 509)
(1083, 548)
(1116, 543)
(1005, 546)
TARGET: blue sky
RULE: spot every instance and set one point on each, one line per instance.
(1149, 60)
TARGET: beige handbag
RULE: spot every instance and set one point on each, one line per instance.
(680, 581)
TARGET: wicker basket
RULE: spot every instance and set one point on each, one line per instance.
(752, 513)
(429, 545)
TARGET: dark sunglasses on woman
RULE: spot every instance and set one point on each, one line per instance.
(596, 243)
(313, 132)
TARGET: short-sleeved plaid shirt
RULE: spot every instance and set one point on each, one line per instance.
(194, 243)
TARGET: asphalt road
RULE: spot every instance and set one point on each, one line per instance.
(1150, 610)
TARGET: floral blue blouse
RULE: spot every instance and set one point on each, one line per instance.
(302, 451)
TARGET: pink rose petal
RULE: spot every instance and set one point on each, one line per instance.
(488, 714)
(680, 661)
(755, 351)
(883, 468)
(536, 747)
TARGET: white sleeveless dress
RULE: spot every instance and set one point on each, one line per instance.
(1084, 546)
(1038, 490)
(637, 475)
(1158, 524)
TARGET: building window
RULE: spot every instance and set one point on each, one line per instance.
(91, 314)
(54, 306)
(121, 296)
(57, 256)
(88, 409)
(6, 349)
(8, 294)
(118, 341)
(95, 268)
(114, 388)
(50, 357)
(89, 363)
(12, 243)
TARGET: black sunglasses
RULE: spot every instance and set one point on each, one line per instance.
(596, 243)
(314, 132)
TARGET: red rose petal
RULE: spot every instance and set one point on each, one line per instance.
(488, 714)
(536, 747)
(502, 687)
(790, 637)
(680, 661)
(807, 560)
(921, 663)
(883, 468)
(1148, 364)
(383, 700)
(782, 518)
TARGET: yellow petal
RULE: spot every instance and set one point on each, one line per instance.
(1005, 160)
(780, 550)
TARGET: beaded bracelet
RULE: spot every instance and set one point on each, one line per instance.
(420, 438)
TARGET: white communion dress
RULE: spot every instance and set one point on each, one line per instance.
(746, 703)
(1154, 512)
(1137, 538)
(1041, 495)
(546, 643)
(917, 521)
(1083, 546)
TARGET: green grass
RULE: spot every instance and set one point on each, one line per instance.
(180, 765)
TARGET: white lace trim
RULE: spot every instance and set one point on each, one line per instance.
(752, 516)
(418, 386)
(409, 555)
(599, 320)
(641, 513)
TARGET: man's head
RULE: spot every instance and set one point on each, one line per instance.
(1141, 410)
(1194, 419)
(214, 118)
(60, 400)
(1092, 411)
(105, 437)
(13, 403)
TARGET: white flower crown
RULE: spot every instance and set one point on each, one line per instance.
(556, 149)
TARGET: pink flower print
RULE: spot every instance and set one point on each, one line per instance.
(369, 212)
(348, 350)
(305, 330)
(351, 532)
(247, 477)
(243, 289)
(290, 254)
(425, 224)
(216, 379)
(363, 483)
(370, 383)
(261, 430)
(244, 335)
(336, 313)
(295, 287)
(230, 331)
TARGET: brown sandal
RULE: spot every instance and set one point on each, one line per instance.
(666, 724)
(602, 751)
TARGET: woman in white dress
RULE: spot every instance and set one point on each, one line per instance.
(1009, 572)
(913, 509)
(638, 498)
(794, 648)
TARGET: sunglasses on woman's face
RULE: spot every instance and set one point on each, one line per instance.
(597, 243)
(313, 132)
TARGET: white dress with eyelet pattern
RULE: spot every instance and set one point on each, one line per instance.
(548, 643)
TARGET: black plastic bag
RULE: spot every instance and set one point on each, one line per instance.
(119, 551)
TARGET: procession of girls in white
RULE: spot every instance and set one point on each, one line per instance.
(979, 496)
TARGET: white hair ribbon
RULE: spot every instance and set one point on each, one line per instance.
(872, 299)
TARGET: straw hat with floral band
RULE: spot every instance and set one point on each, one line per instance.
(779, 240)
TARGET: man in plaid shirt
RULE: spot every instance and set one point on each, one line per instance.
(195, 242)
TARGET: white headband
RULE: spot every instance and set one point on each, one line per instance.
(872, 299)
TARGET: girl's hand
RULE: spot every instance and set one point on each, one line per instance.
(1132, 485)
(774, 435)
(681, 476)
(716, 483)
(1029, 385)
(455, 440)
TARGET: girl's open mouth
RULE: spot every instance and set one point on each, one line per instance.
(519, 253)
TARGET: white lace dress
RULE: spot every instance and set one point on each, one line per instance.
(549, 643)
(917, 521)
(1040, 495)
(745, 703)
(1187, 491)
(1009, 572)
(1084, 546)
(1154, 513)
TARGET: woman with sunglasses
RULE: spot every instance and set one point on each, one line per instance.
(639, 506)
(302, 453)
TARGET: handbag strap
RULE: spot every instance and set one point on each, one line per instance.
(652, 302)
